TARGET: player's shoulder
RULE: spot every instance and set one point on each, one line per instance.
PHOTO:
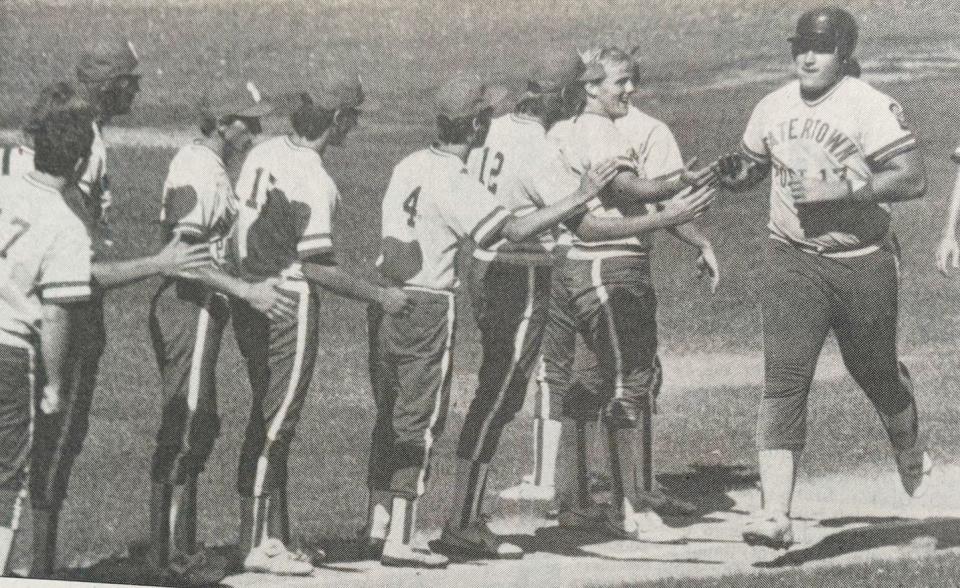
(638, 119)
(195, 157)
(786, 94)
(426, 162)
(15, 160)
(859, 93)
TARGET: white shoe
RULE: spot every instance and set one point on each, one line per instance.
(529, 491)
(914, 466)
(645, 526)
(273, 557)
(477, 539)
(404, 555)
(775, 532)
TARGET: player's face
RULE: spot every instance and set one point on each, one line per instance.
(613, 93)
(818, 68)
(119, 92)
(344, 122)
(238, 135)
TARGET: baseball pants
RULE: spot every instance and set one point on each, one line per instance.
(280, 359)
(59, 438)
(186, 322)
(19, 392)
(806, 296)
(511, 303)
(410, 370)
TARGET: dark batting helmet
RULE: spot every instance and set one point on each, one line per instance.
(825, 30)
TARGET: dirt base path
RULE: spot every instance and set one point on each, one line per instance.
(841, 520)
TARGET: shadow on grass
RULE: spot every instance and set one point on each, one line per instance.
(877, 532)
(707, 486)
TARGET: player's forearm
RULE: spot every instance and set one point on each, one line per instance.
(112, 274)
(690, 234)
(334, 279)
(55, 341)
(596, 228)
(953, 213)
(220, 281)
(902, 178)
(628, 188)
(521, 228)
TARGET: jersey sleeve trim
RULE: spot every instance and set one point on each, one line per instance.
(66, 291)
(668, 177)
(314, 244)
(489, 225)
(891, 150)
(193, 229)
(757, 157)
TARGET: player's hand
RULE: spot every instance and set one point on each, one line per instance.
(696, 177)
(948, 255)
(811, 190)
(178, 258)
(272, 300)
(683, 209)
(707, 266)
(50, 399)
(595, 179)
(396, 302)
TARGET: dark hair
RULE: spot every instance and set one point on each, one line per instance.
(62, 139)
(208, 124)
(310, 120)
(458, 130)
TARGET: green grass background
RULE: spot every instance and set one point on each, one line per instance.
(403, 51)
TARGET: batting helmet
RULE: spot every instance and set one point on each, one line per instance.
(827, 29)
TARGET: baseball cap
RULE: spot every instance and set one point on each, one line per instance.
(109, 57)
(221, 100)
(338, 90)
(465, 96)
(556, 71)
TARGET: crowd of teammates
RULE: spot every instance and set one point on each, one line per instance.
(560, 198)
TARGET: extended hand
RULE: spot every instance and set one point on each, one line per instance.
(948, 255)
(596, 178)
(396, 301)
(684, 209)
(272, 300)
(178, 258)
(697, 177)
(707, 266)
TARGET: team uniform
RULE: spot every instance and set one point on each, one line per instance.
(605, 293)
(830, 266)
(285, 201)
(432, 200)
(187, 320)
(59, 439)
(509, 284)
(45, 254)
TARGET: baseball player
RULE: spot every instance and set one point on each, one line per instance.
(605, 291)
(188, 316)
(510, 285)
(59, 438)
(45, 257)
(286, 201)
(840, 153)
(434, 203)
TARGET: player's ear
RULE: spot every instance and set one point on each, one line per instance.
(592, 89)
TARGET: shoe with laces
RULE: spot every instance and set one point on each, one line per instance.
(914, 466)
(775, 532)
(645, 526)
(273, 557)
(476, 539)
(404, 555)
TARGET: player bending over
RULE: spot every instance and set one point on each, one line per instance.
(286, 201)
(433, 204)
(841, 153)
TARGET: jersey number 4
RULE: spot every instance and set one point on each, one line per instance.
(410, 206)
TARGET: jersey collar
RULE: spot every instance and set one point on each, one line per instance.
(826, 96)
(40, 185)
(520, 117)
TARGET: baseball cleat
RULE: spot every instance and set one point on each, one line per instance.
(775, 532)
(593, 515)
(273, 557)
(666, 505)
(404, 555)
(529, 491)
(197, 569)
(645, 526)
(477, 539)
(914, 466)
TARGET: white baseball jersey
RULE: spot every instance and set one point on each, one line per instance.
(198, 202)
(16, 160)
(588, 140)
(45, 256)
(434, 200)
(285, 201)
(844, 134)
(527, 172)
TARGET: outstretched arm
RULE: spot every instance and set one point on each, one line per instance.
(331, 277)
(176, 257)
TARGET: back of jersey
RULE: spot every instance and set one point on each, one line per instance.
(45, 255)
(15, 160)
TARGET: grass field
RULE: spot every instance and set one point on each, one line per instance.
(403, 50)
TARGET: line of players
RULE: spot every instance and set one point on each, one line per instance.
(574, 160)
